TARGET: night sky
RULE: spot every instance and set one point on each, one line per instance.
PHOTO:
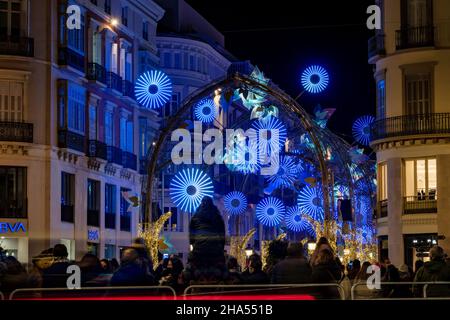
(283, 37)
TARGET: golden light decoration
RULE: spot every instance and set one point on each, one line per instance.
(241, 255)
(151, 235)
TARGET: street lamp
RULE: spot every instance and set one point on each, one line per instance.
(248, 252)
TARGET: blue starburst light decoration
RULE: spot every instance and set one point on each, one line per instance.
(315, 79)
(245, 158)
(153, 89)
(189, 187)
(310, 201)
(286, 175)
(296, 223)
(235, 203)
(271, 135)
(205, 111)
(361, 129)
(270, 211)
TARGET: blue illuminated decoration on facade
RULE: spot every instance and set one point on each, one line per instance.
(204, 111)
(310, 201)
(6, 227)
(361, 129)
(271, 135)
(189, 187)
(295, 222)
(286, 175)
(235, 203)
(245, 158)
(270, 211)
(315, 79)
(153, 89)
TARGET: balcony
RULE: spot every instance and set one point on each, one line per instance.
(17, 46)
(96, 72)
(110, 220)
(129, 160)
(67, 213)
(114, 155)
(410, 125)
(16, 132)
(128, 89)
(71, 140)
(70, 58)
(420, 204)
(415, 37)
(114, 81)
(93, 218)
(96, 149)
(376, 46)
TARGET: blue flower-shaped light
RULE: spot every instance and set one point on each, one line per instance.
(315, 79)
(270, 211)
(271, 135)
(245, 158)
(205, 111)
(189, 187)
(235, 203)
(295, 222)
(361, 129)
(153, 89)
(310, 201)
(286, 175)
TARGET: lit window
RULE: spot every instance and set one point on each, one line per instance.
(421, 179)
(382, 182)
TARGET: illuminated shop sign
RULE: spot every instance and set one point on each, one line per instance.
(93, 235)
(7, 227)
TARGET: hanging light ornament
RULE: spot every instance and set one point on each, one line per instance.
(270, 211)
(153, 89)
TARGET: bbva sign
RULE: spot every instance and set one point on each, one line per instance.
(6, 227)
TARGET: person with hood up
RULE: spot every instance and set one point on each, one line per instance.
(434, 270)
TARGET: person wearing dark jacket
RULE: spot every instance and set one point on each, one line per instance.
(294, 268)
(434, 270)
(254, 274)
(326, 270)
(131, 272)
(56, 275)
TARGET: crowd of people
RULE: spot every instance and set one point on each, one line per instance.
(208, 263)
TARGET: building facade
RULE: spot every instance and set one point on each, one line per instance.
(411, 136)
(71, 131)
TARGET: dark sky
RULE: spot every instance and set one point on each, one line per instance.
(283, 37)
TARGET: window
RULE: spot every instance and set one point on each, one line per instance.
(109, 128)
(125, 214)
(93, 205)
(177, 58)
(129, 140)
(93, 119)
(11, 101)
(192, 63)
(13, 192)
(110, 251)
(67, 197)
(199, 64)
(382, 182)
(186, 61)
(123, 133)
(125, 16)
(418, 13)
(145, 26)
(167, 61)
(75, 107)
(418, 93)
(381, 99)
(421, 179)
(10, 19)
(108, 6)
(110, 206)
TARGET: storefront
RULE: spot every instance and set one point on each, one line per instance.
(14, 238)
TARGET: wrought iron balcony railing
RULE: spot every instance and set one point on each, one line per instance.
(414, 205)
(17, 46)
(114, 155)
(376, 46)
(16, 132)
(129, 160)
(128, 89)
(68, 57)
(415, 37)
(96, 72)
(114, 81)
(420, 124)
(96, 149)
(71, 140)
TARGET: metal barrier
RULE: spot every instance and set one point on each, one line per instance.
(2, 297)
(261, 289)
(379, 294)
(437, 283)
(112, 293)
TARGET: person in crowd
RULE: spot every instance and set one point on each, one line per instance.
(345, 283)
(294, 268)
(417, 265)
(114, 265)
(434, 270)
(355, 269)
(207, 237)
(131, 271)
(361, 290)
(322, 244)
(253, 273)
(234, 276)
(143, 258)
(276, 252)
(171, 275)
(12, 275)
(162, 266)
(326, 270)
(55, 276)
(92, 273)
(106, 266)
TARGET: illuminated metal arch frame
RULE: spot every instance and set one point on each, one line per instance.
(289, 105)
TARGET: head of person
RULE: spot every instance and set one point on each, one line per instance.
(418, 264)
(362, 274)
(325, 256)
(277, 250)
(437, 253)
(403, 270)
(60, 251)
(357, 264)
(89, 262)
(254, 263)
(114, 264)
(207, 208)
(129, 255)
(13, 265)
(106, 265)
(232, 263)
(175, 265)
(295, 250)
